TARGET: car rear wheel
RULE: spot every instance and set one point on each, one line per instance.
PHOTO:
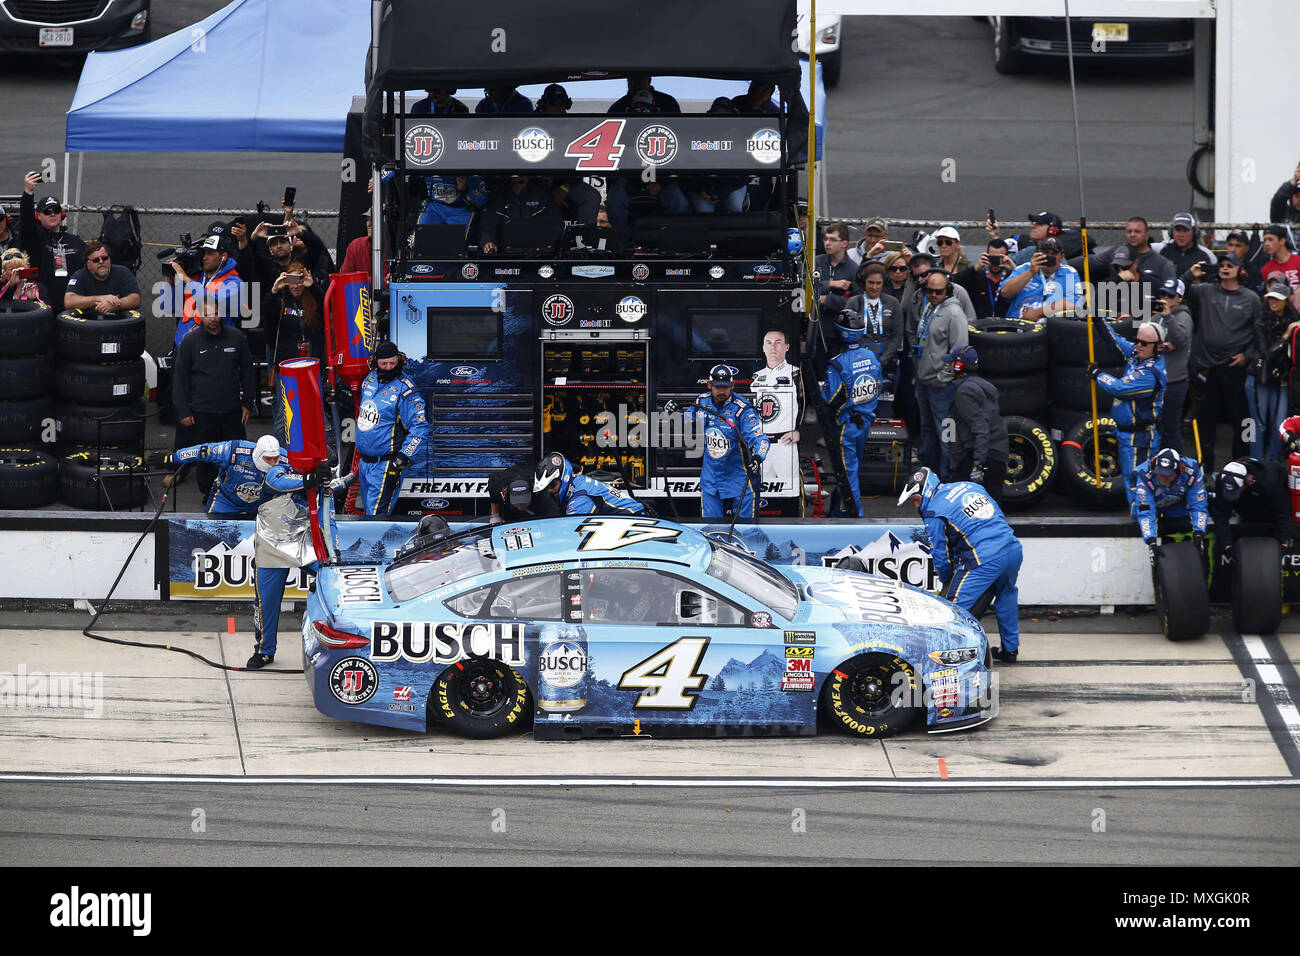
(871, 696)
(1006, 58)
(481, 698)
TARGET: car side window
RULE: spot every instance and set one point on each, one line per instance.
(642, 596)
(532, 598)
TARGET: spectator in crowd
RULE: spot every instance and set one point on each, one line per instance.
(296, 327)
(896, 273)
(871, 247)
(641, 83)
(1228, 341)
(439, 103)
(922, 261)
(717, 193)
(835, 271)
(1042, 225)
(1138, 396)
(52, 249)
(1044, 284)
(503, 99)
(1252, 255)
(983, 281)
(391, 429)
(308, 248)
(576, 198)
(1282, 262)
(9, 238)
(513, 499)
(940, 330)
(982, 446)
(951, 259)
(521, 200)
(212, 385)
(1168, 310)
(358, 254)
(1183, 250)
(1267, 390)
(16, 288)
(217, 280)
(757, 99)
(1258, 493)
(1152, 268)
(100, 285)
(883, 316)
(1285, 206)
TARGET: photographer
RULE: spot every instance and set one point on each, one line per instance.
(983, 281)
(20, 279)
(1043, 285)
(1285, 204)
(297, 330)
(56, 252)
(100, 285)
(216, 280)
(1168, 310)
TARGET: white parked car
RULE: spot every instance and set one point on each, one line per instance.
(828, 42)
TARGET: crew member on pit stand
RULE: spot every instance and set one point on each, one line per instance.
(1257, 491)
(283, 541)
(728, 476)
(1168, 486)
(391, 427)
(242, 466)
(1138, 396)
(511, 495)
(579, 494)
(779, 401)
(851, 390)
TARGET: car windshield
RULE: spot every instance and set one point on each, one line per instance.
(749, 575)
(429, 569)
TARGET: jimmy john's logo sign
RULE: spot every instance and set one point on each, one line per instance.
(446, 643)
(423, 145)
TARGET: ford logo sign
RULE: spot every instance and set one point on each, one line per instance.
(765, 269)
(435, 504)
(466, 371)
(421, 269)
(734, 371)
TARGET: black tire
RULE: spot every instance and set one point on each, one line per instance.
(117, 489)
(1006, 59)
(101, 427)
(1077, 465)
(22, 422)
(1067, 340)
(1009, 346)
(25, 328)
(1257, 585)
(25, 376)
(859, 697)
(831, 64)
(1032, 462)
(1061, 418)
(83, 335)
(1071, 387)
(481, 698)
(29, 478)
(1021, 394)
(1182, 598)
(119, 383)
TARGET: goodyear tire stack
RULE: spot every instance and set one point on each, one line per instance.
(1014, 357)
(100, 384)
(1070, 414)
(29, 475)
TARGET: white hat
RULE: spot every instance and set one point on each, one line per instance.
(947, 232)
(267, 447)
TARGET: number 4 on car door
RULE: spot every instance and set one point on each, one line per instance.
(667, 679)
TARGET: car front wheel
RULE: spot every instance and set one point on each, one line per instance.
(874, 695)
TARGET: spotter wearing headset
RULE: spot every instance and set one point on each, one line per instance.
(391, 427)
(851, 390)
(578, 494)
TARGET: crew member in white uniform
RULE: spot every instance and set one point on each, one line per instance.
(779, 401)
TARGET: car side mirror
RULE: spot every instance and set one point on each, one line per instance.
(696, 607)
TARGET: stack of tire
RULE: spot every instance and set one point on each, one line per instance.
(99, 382)
(29, 473)
(1070, 414)
(1014, 357)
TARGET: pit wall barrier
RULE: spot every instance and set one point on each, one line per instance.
(1068, 562)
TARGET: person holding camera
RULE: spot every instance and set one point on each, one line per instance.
(56, 252)
(1227, 343)
(1168, 311)
(295, 327)
(1284, 207)
(20, 279)
(217, 280)
(983, 281)
(391, 428)
(1044, 285)
(1268, 389)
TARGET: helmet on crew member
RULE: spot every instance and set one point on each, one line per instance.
(554, 467)
(923, 482)
(266, 453)
(851, 325)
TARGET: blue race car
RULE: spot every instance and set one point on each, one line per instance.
(605, 626)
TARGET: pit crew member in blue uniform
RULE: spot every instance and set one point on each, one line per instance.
(1139, 395)
(452, 200)
(851, 390)
(391, 427)
(728, 476)
(973, 548)
(579, 494)
(283, 541)
(1168, 486)
(241, 472)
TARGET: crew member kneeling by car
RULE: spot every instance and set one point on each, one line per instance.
(512, 497)
(579, 494)
(973, 548)
(1168, 486)
(391, 427)
(1257, 491)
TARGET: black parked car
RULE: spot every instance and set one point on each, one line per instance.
(1016, 40)
(72, 26)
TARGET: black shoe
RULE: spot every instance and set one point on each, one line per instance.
(1006, 657)
(258, 661)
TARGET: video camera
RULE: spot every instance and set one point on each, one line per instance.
(187, 253)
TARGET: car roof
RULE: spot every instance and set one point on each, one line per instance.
(598, 538)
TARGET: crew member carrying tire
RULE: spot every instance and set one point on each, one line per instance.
(1139, 394)
(851, 390)
(242, 467)
(973, 548)
(579, 494)
(982, 444)
(1257, 492)
(1171, 489)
